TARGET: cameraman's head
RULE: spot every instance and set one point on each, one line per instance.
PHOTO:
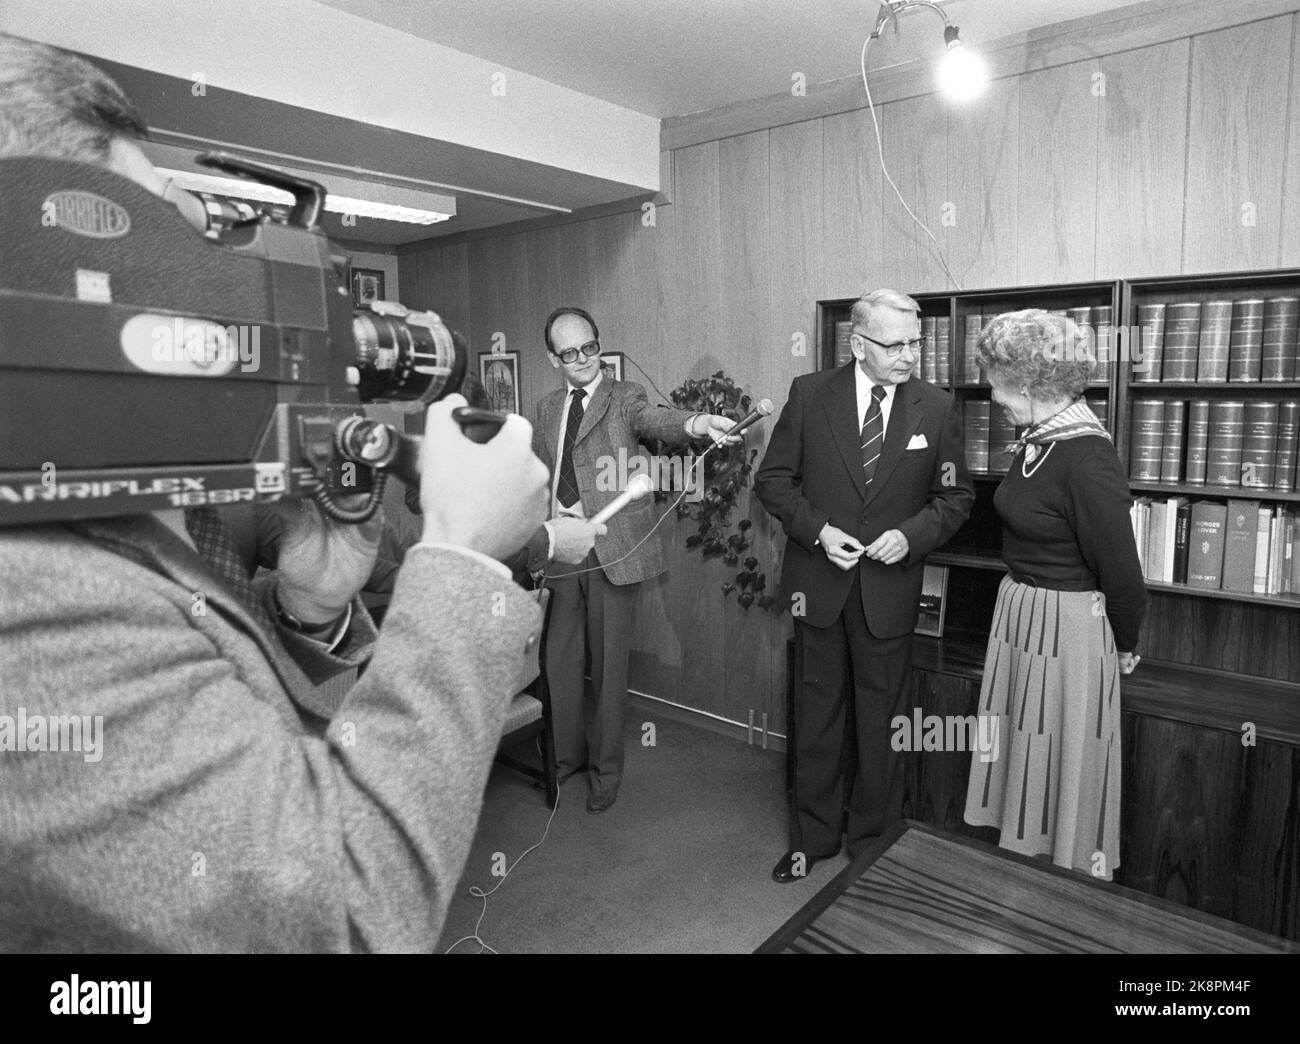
(57, 105)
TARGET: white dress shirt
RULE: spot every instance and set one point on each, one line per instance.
(864, 385)
(558, 510)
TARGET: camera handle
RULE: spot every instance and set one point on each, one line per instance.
(308, 196)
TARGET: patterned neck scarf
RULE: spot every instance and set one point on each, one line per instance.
(1073, 422)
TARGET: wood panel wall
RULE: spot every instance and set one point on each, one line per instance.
(1183, 155)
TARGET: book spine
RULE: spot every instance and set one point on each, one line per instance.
(1259, 446)
(975, 421)
(1240, 545)
(1002, 439)
(1171, 454)
(1182, 336)
(1277, 530)
(1288, 551)
(925, 364)
(1205, 555)
(970, 355)
(1212, 356)
(843, 342)
(943, 350)
(1223, 455)
(1246, 340)
(1151, 339)
(1198, 436)
(1295, 556)
(1154, 561)
(1100, 406)
(1279, 349)
(1264, 517)
(1288, 447)
(1147, 440)
(1103, 333)
(1181, 534)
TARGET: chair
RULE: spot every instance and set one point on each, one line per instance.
(529, 719)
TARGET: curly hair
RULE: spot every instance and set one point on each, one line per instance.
(1047, 354)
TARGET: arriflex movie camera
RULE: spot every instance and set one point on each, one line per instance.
(144, 366)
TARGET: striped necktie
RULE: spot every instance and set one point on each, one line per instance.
(873, 434)
(567, 490)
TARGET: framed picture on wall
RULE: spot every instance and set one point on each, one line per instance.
(367, 285)
(612, 364)
(499, 374)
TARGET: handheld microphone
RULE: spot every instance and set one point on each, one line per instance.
(762, 408)
(638, 486)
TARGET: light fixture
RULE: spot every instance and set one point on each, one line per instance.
(961, 74)
(239, 188)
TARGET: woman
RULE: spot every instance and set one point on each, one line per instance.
(1069, 611)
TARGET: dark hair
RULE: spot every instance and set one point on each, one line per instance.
(54, 103)
(566, 310)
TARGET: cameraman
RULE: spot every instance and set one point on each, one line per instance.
(216, 816)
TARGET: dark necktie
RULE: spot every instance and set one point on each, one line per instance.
(873, 434)
(567, 490)
(218, 550)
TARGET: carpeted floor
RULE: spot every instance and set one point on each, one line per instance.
(681, 864)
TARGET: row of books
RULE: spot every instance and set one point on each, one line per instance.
(1242, 546)
(932, 365)
(990, 435)
(1208, 342)
(1229, 444)
(935, 363)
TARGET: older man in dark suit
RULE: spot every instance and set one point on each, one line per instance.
(866, 471)
(579, 432)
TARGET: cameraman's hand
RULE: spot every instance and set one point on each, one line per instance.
(488, 497)
(574, 539)
(323, 563)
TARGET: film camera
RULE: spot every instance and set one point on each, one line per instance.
(146, 366)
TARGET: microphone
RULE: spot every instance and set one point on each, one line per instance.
(762, 408)
(638, 486)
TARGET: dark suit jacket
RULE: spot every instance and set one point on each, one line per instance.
(812, 474)
(618, 417)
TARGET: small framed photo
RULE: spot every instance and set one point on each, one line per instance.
(499, 374)
(611, 364)
(367, 285)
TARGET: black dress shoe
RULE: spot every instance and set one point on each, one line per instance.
(600, 800)
(794, 866)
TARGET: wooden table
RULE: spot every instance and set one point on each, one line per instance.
(921, 890)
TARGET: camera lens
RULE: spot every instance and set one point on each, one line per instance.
(403, 355)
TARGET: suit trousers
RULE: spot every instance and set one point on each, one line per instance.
(590, 623)
(840, 663)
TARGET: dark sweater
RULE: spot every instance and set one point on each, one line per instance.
(1069, 521)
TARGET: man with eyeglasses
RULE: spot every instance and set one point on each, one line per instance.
(579, 432)
(867, 472)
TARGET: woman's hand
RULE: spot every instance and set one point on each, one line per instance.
(1127, 661)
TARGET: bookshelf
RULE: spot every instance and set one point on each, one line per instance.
(1116, 310)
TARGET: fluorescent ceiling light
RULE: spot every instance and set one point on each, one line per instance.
(241, 188)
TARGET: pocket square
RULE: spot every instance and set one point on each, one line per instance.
(918, 442)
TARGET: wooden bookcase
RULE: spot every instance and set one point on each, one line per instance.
(1211, 721)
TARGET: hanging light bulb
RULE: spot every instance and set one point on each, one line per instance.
(961, 74)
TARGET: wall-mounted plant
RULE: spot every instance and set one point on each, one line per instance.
(727, 471)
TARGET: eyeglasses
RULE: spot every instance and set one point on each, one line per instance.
(895, 350)
(570, 355)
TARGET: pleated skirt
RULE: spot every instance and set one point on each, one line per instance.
(1051, 679)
